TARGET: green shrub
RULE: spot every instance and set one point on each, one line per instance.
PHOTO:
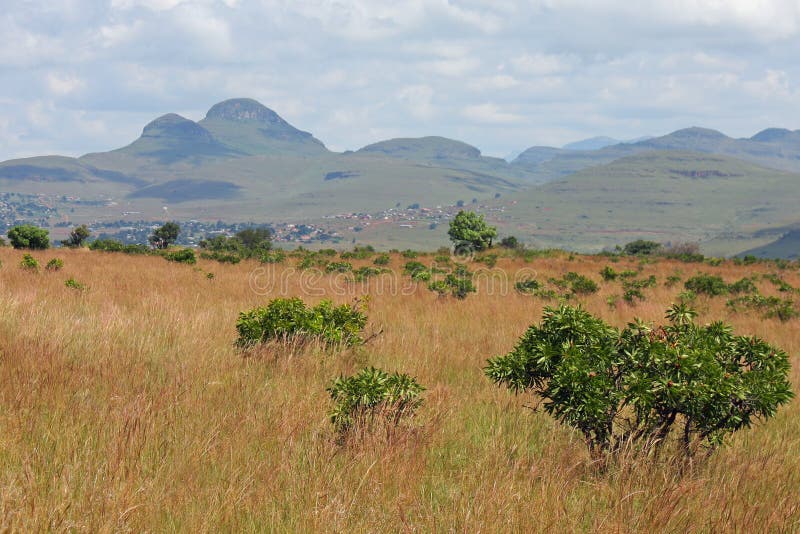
(672, 280)
(55, 264)
(641, 247)
(528, 286)
(74, 284)
(363, 273)
(456, 285)
(184, 255)
(382, 259)
(373, 397)
(289, 319)
(641, 386)
(222, 257)
(412, 267)
(112, 245)
(338, 267)
(780, 283)
(358, 253)
(608, 273)
(745, 285)
(29, 236)
(409, 254)
(770, 307)
(490, 260)
(579, 284)
(29, 263)
(272, 256)
(707, 284)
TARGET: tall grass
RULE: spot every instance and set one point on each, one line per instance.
(126, 407)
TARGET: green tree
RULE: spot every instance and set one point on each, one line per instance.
(77, 236)
(165, 235)
(468, 230)
(643, 385)
(29, 236)
(255, 239)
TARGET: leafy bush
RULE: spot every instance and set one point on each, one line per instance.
(358, 253)
(55, 264)
(672, 280)
(782, 285)
(413, 267)
(608, 273)
(490, 260)
(184, 255)
(529, 286)
(221, 257)
(633, 288)
(641, 247)
(456, 285)
(511, 242)
(769, 307)
(579, 284)
(29, 236)
(29, 263)
(289, 319)
(74, 284)
(272, 256)
(469, 231)
(382, 259)
(338, 267)
(642, 385)
(372, 397)
(363, 273)
(112, 245)
(745, 285)
(707, 284)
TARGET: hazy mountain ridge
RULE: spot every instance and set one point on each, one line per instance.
(242, 161)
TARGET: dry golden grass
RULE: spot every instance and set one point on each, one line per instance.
(126, 407)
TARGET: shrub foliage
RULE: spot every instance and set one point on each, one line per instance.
(371, 397)
(639, 386)
(289, 319)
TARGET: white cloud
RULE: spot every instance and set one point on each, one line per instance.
(64, 84)
(490, 113)
(418, 99)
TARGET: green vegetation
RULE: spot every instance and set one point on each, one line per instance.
(290, 320)
(373, 397)
(55, 264)
(641, 247)
(184, 255)
(112, 245)
(74, 284)
(469, 232)
(29, 236)
(641, 385)
(165, 235)
(29, 263)
(77, 236)
(707, 284)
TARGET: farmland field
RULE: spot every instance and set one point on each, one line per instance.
(126, 406)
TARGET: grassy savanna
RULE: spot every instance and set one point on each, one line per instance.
(127, 407)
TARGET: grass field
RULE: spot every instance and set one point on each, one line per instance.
(126, 407)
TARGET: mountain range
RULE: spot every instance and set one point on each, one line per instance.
(243, 162)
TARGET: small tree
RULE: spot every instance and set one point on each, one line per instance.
(165, 235)
(468, 230)
(255, 239)
(29, 236)
(77, 236)
(510, 242)
(639, 386)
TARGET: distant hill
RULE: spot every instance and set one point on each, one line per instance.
(244, 162)
(593, 143)
(774, 148)
(787, 247)
(660, 195)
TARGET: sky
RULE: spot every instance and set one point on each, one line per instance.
(80, 76)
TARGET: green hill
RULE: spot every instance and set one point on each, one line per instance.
(660, 195)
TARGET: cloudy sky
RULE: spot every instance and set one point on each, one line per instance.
(86, 75)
